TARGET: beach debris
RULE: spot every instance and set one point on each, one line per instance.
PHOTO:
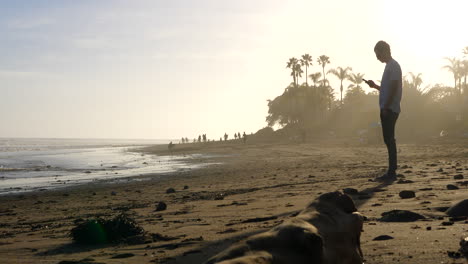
(170, 190)
(452, 187)
(121, 228)
(400, 216)
(458, 177)
(382, 237)
(350, 191)
(458, 209)
(161, 206)
(407, 194)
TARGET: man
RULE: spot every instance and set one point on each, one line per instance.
(390, 91)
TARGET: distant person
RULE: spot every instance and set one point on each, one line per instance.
(390, 91)
(244, 137)
(170, 146)
(235, 136)
(225, 136)
(199, 138)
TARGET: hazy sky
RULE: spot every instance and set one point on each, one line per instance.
(167, 69)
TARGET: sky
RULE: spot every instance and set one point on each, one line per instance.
(169, 69)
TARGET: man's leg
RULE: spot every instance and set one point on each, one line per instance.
(388, 131)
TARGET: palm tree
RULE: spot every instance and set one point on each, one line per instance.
(454, 68)
(323, 61)
(315, 77)
(298, 71)
(306, 61)
(291, 64)
(356, 80)
(341, 74)
(416, 80)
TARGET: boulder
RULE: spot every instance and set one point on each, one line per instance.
(458, 209)
(400, 216)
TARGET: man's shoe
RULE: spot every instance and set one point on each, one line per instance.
(387, 177)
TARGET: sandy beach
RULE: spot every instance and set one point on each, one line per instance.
(249, 188)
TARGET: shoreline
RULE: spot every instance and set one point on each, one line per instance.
(251, 187)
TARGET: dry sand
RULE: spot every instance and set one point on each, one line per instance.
(253, 187)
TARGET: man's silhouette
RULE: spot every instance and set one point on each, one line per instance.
(390, 91)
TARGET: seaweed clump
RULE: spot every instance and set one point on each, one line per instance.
(119, 229)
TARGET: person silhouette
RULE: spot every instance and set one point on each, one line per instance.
(390, 92)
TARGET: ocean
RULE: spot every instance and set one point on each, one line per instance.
(43, 164)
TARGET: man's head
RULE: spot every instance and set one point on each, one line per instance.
(382, 51)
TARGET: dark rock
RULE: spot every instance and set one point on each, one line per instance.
(452, 187)
(464, 247)
(186, 187)
(407, 194)
(170, 190)
(87, 172)
(161, 206)
(441, 208)
(459, 209)
(403, 181)
(425, 189)
(440, 170)
(447, 223)
(458, 177)
(400, 216)
(383, 237)
(350, 191)
(428, 228)
(124, 255)
(219, 196)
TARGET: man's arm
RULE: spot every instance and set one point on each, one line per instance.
(373, 85)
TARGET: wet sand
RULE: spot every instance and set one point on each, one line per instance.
(252, 188)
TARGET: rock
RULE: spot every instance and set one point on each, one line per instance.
(407, 194)
(383, 237)
(113, 193)
(400, 216)
(186, 187)
(452, 187)
(219, 196)
(459, 209)
(87, 172)
(440, 170)
(161, 206)
(170, 190)
(428, 228)
(350, 191)
(458, 177)
(124, 255)
(403, 181)
(464, 247)
(447, 223)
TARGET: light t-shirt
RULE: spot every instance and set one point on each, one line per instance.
(391, 73)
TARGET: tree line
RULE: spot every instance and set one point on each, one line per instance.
(310, 109)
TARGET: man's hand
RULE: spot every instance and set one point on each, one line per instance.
(372, 84)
